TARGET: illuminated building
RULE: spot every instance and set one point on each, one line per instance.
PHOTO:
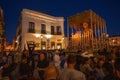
(47, 32)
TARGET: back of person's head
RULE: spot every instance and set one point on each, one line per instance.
(57, 52)
(42, 56)
(71, 59)
(108, 68)
(50, 73)
(100, 63)
(86, 60)
(94, 59)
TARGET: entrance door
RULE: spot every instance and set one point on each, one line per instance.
(59, 46)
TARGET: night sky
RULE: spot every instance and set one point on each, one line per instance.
(108, 9)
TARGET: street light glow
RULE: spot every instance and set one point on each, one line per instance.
(37, 35)
(41, 36)
(113, 40)
(48, 36)
(16, 41)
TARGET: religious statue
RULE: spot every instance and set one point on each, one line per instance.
(86, 35)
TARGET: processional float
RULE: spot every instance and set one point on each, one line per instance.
(90, 31)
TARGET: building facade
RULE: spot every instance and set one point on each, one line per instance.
(114, 41)
(45, 31)
(2, 35)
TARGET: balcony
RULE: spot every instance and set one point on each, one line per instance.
(31, 31)
(58, 33)
(43, 32)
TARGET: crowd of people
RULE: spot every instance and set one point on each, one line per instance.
(57, 65)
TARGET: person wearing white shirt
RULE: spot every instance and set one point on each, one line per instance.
(57, 60)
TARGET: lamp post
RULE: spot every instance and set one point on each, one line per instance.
(48, 36)
(107, 41)
(41, 41)
(38, 36)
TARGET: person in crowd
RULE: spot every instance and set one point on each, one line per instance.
(63, 63)
(112, 59)
(31, 66)
(94, 62)
(42, 65)
(108, 71)
(78, 62)
(15, 72)
(70, 73)
(10, 58)
(17, 56)
(86, 68)
(99, 70)
(117, 69)
(25, 54)
(4, 58)
(6, 70)
(57, 60)
(24, 69)
(50, 73)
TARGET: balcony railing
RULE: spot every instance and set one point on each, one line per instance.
(58, 33)
(31, 31)
(43, 32)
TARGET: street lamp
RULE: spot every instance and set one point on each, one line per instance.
(38, 36)
(63, 42)
(16, 45)
(41, 41)
(107, 41)
(48, 36)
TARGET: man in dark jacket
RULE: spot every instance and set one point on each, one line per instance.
(42, 65)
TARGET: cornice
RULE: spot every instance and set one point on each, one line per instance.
(41, 15)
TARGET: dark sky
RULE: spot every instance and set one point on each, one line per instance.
(108, 9)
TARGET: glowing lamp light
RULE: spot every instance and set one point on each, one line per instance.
(113, 40)
(41, 36)
(107, 35)
(16, 41)
(37, 35)
(48, 36)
